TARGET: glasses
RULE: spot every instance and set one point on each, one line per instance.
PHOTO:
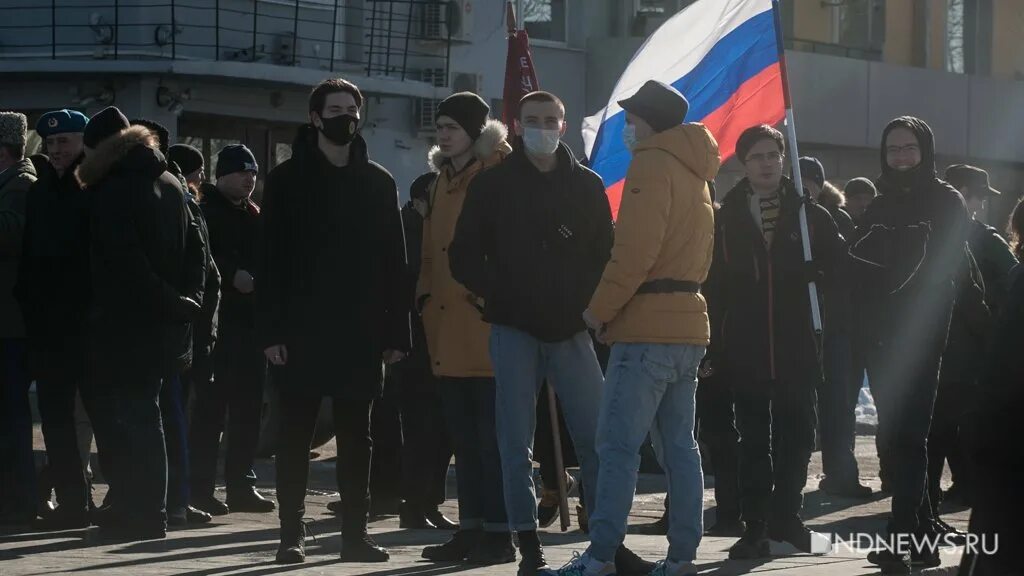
(769, 157)
(902, 149)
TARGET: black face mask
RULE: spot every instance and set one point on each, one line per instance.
(340, 130)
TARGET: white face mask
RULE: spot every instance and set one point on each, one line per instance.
(541, 142)
(629, 136)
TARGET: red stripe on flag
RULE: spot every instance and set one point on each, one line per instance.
(758, 101)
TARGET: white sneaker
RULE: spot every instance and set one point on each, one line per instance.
(584, 565)
(673, 568)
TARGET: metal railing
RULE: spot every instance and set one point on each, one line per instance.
(383, 37)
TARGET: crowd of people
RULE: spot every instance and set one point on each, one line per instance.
(133, 287)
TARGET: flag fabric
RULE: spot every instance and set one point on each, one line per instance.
(722, 55)
(520, 75)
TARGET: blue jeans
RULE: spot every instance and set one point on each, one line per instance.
(521, 363)
(649, 387)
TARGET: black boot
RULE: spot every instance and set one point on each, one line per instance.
(410, 517)
(657, 528)
(531, 554)
(753, 545)
(627, 563)
(792, 531)
(456, 549)
(493, 548)
(362, 548)
(211, 505)
(292, 549)
(890, 562)
(248, 501)
(439, 521)
(727, 528)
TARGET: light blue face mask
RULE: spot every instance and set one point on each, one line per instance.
(629, 136)
(541, 142)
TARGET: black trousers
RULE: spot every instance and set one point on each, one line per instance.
(236, 390)
(386, 430)
(352, 429)
(953, 402)
(56, 397)
(776, 422)
(426, 447)
(17, 464)
(904, 374)
(716, 424)
(131, 418)
(837, 402)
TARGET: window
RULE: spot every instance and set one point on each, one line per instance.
(862, 24)
(544, 19)
(955, 36)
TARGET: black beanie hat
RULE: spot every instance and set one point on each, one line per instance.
(860, 186)
(658, 104)
(235, 158)
(812, 169)
(156, 128)
(188, 158)
(467, 109)
(420, 189)
(103, 125)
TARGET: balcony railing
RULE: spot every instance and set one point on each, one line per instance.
(382, 37)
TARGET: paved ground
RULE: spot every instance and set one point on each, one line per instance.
(245, 543)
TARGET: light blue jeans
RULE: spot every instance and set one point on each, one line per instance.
(649, 387)
(521, 363)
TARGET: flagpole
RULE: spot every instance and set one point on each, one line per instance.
(794, 156)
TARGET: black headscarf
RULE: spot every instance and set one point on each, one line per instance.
(923, 173)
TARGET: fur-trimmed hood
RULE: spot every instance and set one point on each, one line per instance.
(134, 149)
(493, 139)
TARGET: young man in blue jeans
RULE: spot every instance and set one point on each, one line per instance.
(649, 306)
(531, 241)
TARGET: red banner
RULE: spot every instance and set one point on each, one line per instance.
(520, 75)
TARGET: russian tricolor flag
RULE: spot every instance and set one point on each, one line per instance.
(722, 55)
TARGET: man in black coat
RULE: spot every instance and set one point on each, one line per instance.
(233, 221)
(767, 348)
(426, 449)
(910, 313)
(148, 271)
(333, 306)
(840, 388)
(55, 252)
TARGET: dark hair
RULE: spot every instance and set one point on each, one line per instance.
(540, 96)
(751, 136)
(17, 151)
(318, 97)
(1015, 229)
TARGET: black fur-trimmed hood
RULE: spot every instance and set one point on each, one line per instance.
(134, 149)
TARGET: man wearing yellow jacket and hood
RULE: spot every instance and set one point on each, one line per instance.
(469, 143)
(648, 306)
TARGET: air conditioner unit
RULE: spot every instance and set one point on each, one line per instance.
(286, 49)
(423, 113)
(467, 82)
(447, 18)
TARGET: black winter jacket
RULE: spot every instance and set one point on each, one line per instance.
(234, 236)
(53, 284)
(759, 306)
(333, 285)
(147, 253)
(534, 245)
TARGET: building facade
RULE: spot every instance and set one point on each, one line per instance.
(222, 71)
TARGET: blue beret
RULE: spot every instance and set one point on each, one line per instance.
(61, 122)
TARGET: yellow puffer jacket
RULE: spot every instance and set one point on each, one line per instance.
(665, 231)
(457, 337)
